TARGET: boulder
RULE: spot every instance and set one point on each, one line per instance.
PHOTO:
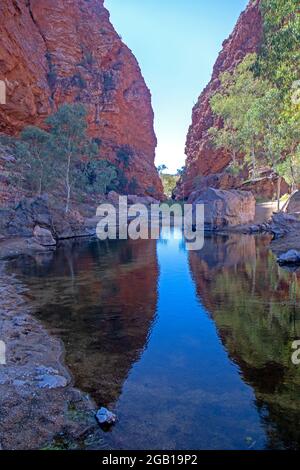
(6, 216)
(293, 206)
(113, 198)
(226, 208)
(290, 257)
(104, 416)
(282, 224)
(264, 187)
(145, 200)
(217, 181)
(43, 236)
(28, 213)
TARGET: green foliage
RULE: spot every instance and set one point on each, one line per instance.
(290, 168)
(181, 171)
(108, 82)
(65, 157)
(236, 104)
(133, 186)
(169, 183)
(259, 122)
(259, 102)
(70, 144)
(279, 60)
(121, 184)
(257, 301)
(87, 60)
(233, 169)
(124, 155)
(97, 141)
(32, 170)
(79, 81)
(96, 176)
(33, 151)
(151, 190)
(161, 168)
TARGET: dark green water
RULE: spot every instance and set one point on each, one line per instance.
(192, 350)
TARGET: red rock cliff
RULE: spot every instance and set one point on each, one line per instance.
(56, 51)
(202, 159)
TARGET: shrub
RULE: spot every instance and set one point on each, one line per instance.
(133, 186)
(124, 155)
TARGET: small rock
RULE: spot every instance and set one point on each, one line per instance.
(52, 381)
(255, 229)
(104, 416)
(47, 377)
(290, 257)
(43, 236)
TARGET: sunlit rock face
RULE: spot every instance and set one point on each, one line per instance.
(255, 307)
(53, 52)
(226, 208)
(100, 300)
(202, 158)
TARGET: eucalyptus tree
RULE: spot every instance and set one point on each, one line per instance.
(70, 143)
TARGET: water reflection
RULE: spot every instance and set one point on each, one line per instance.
(191, 349)
(256, 308)
(100, 299)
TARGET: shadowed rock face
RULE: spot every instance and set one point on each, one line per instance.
(255, 306)
(53, 52)
(100, 300)
(294, 204)
(202, 159)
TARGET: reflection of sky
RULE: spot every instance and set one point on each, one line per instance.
(184, 380)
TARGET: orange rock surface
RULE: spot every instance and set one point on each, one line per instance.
(202, 159)
(59, 51)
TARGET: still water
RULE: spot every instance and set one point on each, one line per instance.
(192, 350)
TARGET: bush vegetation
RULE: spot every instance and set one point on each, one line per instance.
(63, 156)
(259, 101)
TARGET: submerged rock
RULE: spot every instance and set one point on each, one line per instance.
(290, 257)
(104, 416)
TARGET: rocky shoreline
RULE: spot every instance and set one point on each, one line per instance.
(40, 408)
(37, 224)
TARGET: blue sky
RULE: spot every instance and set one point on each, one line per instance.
(176, 43)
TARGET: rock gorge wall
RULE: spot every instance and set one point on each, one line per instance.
(202, 158)
(56, 51)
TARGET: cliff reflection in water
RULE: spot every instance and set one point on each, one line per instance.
(256, 308)
(100, 299)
